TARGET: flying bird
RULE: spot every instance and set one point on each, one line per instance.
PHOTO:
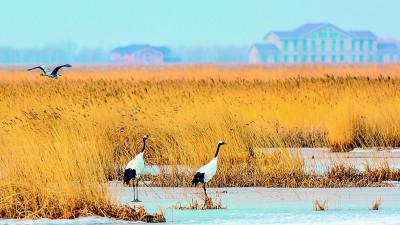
(206, 172)
(133, 170)
(46, 71)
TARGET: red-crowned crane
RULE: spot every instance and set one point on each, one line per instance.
(206, 172)
(47, 73)
(133, 170)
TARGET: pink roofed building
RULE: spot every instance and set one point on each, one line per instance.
(141, 54)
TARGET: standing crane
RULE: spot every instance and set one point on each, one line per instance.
(206, 172)
(133, 170)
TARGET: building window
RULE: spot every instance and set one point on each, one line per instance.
(313, 48)
(353, 58)
(391, 58)
(313, 58)
(334, 35)
(285, 58)
(361, 45)
(264, 58)
(341, 58)
(370, 58)
(322, 58)
(380, 58)
(370, 45)
(334, 58)
(322, 45)
(295, 58)
(323, 35)
(361, 58)
(341, 45)
(353, 45)
(304, 59)
(304, 45)
(276, 58)
(285, 45)
(294, 45)
(333, 45)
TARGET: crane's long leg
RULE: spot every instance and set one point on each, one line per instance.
(137, 190)
(136, 199)
(134, 193)
(205, 192)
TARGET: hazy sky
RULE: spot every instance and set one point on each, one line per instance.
(108, 23)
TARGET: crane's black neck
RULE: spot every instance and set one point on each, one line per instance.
(144, 145)
(216, 153)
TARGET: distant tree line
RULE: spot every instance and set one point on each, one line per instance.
(71, 53)
(52, 54)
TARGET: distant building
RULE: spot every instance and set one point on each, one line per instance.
(142, 54)
(322, 42)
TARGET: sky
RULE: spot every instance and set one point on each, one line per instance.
(108, 23)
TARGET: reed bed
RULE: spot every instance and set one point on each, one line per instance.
(62, 140)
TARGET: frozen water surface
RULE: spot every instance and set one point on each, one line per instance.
(270, 205)
(258, 206)
(318, 160)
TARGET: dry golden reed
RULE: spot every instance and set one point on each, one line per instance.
(319, 205)
(376, 204)
(194, 205)
(62, 140)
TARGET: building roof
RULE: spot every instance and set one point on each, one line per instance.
(284, 34)
(387, 46)
(163, 49)
(363, 34)
(129, 48)
(308, 28)
(300, 31)
(137, 47)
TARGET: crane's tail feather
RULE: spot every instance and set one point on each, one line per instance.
(198, 177)
(129, 174)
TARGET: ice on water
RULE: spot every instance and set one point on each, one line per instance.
(259, 206)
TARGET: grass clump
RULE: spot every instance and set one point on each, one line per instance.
(57, 172)
(320, 206)
(194, 205)
(376, 204)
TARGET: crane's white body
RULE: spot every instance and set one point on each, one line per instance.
(47, 71)
(209, 169)
(136, 164)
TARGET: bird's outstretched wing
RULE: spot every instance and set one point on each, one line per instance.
(59, 67)
(43, 68)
